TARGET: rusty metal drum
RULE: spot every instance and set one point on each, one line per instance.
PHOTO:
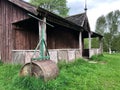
(45, 69)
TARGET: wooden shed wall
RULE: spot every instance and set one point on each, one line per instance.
(62, 38)
(57, 38)
(10, 38)
(25, 39)
(8, 13)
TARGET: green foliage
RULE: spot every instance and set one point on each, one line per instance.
(108, 27)
(100, 25)
(56, 6)
(78, 75)
(86, 43)
(99, 57)
(116, 43)
(28, 83)
(1, 62)
(7, 73)
(95, 43)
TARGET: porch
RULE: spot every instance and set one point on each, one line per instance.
(62, 40)
(88, 48)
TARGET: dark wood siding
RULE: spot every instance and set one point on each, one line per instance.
(22, 37)
(0, 26)
(25, 40)
(61, 38)
(8, 13)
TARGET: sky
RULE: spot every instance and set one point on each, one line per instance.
(96, 8)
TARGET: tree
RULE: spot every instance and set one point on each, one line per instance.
(108, 27)
(116, 43)
(58, 7)
(101, 25)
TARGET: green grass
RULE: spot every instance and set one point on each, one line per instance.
(80, 75)
(97, 57)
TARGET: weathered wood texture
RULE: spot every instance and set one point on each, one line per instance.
(0, 28)
(25, 40)
(8, 13)
(25, 37)
(61, 38)
(18, 31)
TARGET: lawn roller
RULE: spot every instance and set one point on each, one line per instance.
(41, 67)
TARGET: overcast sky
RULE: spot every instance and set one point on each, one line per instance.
(96, 8)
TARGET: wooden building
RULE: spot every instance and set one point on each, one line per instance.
(82, 20)
(19, 33)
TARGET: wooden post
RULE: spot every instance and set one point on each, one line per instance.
(43, 51)
(89, 34)
(100, 45)
(42, 36)
(44, 29)
(0, 55)
(42, 25)
(40, 30)
(80, 43)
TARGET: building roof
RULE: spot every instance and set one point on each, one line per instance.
(82, 20)
(77, 19)
(74, 22)
(24, 5)
(40, 12)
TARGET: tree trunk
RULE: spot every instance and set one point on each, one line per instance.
(110, 50)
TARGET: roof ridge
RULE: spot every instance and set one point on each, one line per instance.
(75, 15)
(83, 21)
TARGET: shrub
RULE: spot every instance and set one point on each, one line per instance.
(1, 62)
(97, 57)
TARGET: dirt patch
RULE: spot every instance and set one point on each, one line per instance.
(92, 62)
(103, 62)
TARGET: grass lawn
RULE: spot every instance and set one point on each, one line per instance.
(80, 75)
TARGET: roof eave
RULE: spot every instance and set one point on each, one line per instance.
(59, 20)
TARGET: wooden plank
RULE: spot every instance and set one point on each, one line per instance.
(89, 34)
(80, 42)
(4, 31)
(0, 29)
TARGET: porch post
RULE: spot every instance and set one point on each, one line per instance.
(80, 43)
(89, 35)
(42, 25)
(42, 35)
(100, 45)
(40, 29)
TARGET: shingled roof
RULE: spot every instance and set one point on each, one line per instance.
(25, 6)
(39, 12)
(80, 20)
(77, 19)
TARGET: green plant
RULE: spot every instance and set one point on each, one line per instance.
(78, 75)
(1, 62)
(99, 57)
